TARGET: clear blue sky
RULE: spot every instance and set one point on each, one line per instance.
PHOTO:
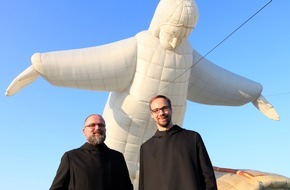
(42, 121)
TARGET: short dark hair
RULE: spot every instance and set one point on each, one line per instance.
(160, 96)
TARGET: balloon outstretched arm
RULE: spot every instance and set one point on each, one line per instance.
(108, 67)
(212, 85)
(23, 79)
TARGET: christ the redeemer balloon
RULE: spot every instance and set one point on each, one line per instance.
(159, 60)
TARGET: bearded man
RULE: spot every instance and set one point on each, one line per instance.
(93, 165)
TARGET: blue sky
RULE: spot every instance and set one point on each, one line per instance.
(42, 121)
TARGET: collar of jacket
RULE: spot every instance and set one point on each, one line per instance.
(172, 130)
(97, 148)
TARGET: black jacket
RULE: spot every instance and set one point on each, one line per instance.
(92, 168)
(175, 160)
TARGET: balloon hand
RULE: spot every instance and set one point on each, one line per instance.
(23, 79)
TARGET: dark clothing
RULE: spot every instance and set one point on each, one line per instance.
(176, 159)
(92, 168)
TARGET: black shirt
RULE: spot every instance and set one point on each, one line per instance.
(175, 160)
(92, 168)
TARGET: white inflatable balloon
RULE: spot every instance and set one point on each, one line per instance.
(159, 60)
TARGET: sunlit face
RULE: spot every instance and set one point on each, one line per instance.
(172, 36)
(161, 112)
(95, 130)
